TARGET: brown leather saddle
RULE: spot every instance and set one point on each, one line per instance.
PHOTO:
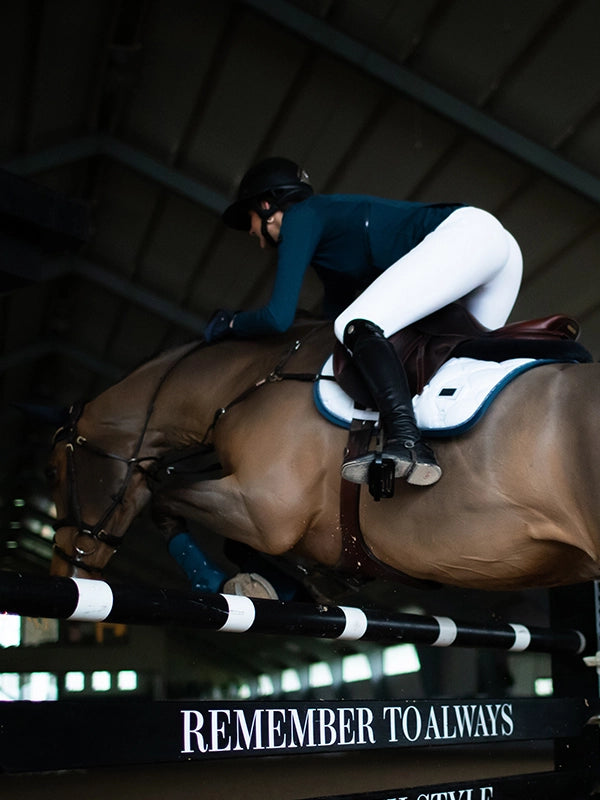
(454, 332)
(424, 347)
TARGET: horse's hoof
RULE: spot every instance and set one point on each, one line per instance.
(250, 584)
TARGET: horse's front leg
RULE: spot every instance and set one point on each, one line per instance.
(204, 503)
(222, 507)
(170, 514)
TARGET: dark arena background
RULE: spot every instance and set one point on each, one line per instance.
(126, 127)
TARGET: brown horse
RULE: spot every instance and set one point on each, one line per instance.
(517, 506)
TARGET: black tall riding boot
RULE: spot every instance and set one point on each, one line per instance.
(376, 360)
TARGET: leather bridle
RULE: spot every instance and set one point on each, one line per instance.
(134, 463)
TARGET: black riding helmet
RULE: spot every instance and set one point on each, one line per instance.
(278, 180)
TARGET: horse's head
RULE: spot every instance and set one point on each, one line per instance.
(98, 488)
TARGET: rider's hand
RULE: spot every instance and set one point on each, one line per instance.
(218, 326)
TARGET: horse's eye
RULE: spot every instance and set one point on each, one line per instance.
(51, 474)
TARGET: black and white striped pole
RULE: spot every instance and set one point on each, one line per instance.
(80, 599)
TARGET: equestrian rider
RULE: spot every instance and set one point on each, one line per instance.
(384, 264)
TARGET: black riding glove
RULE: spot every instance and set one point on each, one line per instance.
(217, 326)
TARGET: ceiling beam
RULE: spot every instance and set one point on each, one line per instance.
(403, 80)
(59, 155)
(75, 265)
(368, 61)
(138, 295)
(47, 347)
(102, 145)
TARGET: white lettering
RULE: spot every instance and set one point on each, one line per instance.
(432, 725)
(486, 792)
(394, 710)
(188, 730)
(446, 727)
(493, 712)
(248, 733)
(365, 720)
(506, 714)
(346, 717)
(326, 727)
(463, 794)
(216, 730)
(275, 728)
(411, 735)
(226, 729)
(481, 727)
(300, 729)
(464, 719)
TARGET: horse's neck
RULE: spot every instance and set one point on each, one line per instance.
(185, 387)
(123, 410)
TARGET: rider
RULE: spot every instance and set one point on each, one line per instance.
(384, 265)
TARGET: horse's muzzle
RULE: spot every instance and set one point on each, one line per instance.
(75, 554)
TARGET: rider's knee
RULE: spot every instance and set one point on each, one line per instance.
(357, 328)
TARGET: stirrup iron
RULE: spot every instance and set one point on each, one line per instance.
(381, 477)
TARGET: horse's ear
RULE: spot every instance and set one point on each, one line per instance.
(54, 415)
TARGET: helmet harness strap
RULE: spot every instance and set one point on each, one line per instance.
(265, 215)
(275, 205)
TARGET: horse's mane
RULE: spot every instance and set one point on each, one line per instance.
(304, 320)
(163, 353)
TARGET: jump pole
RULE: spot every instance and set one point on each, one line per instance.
(80, 599)
(175, 731)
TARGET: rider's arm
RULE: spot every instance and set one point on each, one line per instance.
(300, 233)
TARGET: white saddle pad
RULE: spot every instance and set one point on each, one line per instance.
(454, 399)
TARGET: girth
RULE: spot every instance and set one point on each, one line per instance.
(357, 558)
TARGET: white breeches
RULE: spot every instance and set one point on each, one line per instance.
(469, 258)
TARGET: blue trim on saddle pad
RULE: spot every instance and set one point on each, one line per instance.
(324, 412)
(434, 432)
(456, 430)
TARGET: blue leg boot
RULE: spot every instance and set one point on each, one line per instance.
(203, 574)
